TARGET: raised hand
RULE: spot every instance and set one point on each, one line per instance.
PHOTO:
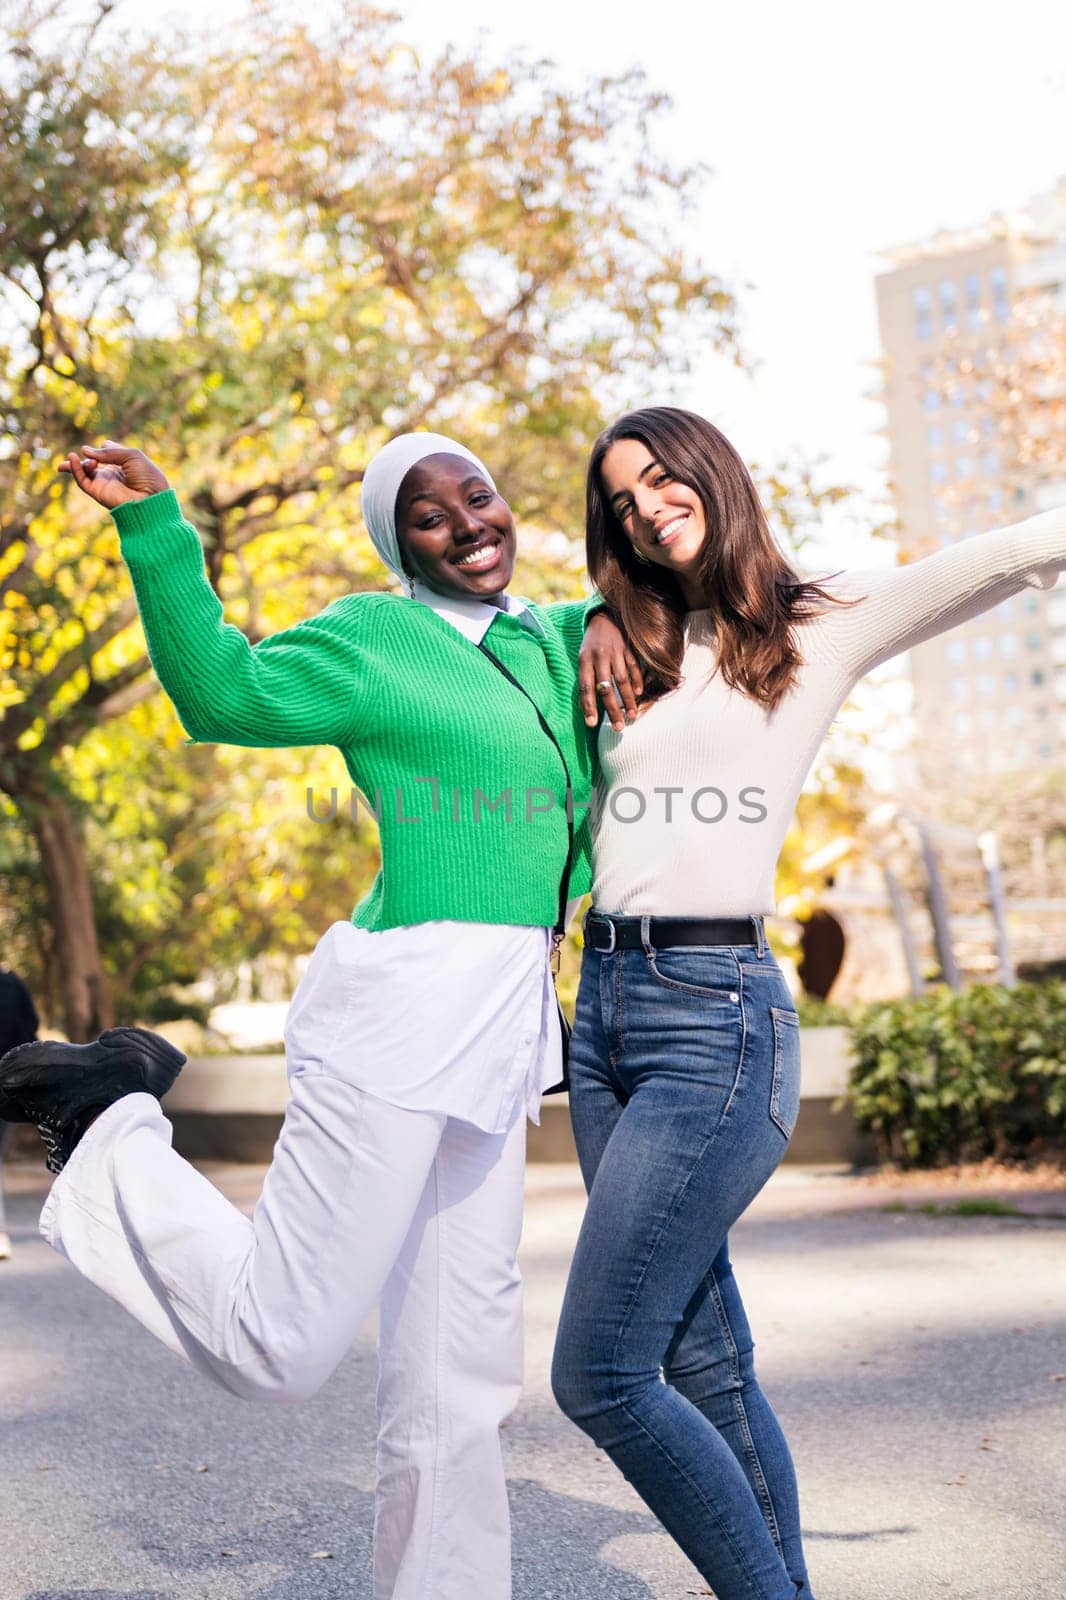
(112, 474)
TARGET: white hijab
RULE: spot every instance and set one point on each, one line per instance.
(385, 474)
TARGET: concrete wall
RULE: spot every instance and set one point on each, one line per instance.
(230, 1108)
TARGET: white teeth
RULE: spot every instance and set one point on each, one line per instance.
(671, 527)
(478, 558)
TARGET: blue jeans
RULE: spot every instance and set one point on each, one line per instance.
(684, 1090)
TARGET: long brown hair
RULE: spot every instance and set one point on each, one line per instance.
(755, 597)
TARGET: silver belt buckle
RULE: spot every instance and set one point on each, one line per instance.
(614, 938)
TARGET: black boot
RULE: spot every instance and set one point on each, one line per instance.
(61, 1087)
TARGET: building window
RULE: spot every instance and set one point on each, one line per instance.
(938, 471)
(982, 648)
(956, 651)
(990, 462)
(1010, 683)
(949, 305)
(960, 689)
(960, 430)
(964, 467)
(1035, 641)
(985, 683)
(1056, 608)
(934, 436)
(997, 282)
(930, 391)
(1015, 716)
(1008, 644)
(922, 300)
(1036, 677)
(1031, 603)
(961, 722)
(995, 500)
(972, 289)
(1005, 608)
(1046, 752)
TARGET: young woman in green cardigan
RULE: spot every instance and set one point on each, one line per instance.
(422, 1033)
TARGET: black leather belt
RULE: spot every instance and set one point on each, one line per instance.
(607, 934)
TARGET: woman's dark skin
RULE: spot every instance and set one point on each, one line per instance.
(445, 511)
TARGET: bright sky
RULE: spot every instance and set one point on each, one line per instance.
(835, 129)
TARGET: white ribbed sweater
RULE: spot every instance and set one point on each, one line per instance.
(711, 848)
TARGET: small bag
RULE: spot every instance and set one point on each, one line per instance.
(559, 931)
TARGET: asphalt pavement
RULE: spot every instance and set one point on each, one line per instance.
(917, 1361)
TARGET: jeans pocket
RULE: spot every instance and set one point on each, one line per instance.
(785, 1087)
(690, 970)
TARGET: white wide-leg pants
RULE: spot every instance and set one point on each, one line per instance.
(364, 1201)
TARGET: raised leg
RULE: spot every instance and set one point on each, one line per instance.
(267, 1305)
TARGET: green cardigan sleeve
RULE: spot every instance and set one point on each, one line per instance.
(300, 686)
(571, 617)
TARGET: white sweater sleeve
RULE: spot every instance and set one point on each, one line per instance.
(904, 606)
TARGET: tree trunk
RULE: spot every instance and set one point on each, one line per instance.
(87, 1004)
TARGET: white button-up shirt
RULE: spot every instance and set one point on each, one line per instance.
(458, 1017)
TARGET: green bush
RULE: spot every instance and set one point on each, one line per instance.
(815, 1013)
(963, 1076)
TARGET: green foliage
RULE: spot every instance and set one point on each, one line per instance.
(974, 1206)
(963, 1076)
(258, 252)
(815, 1013)
(981, 1206)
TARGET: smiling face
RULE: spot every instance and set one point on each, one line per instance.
(456, 533)
(663, 519)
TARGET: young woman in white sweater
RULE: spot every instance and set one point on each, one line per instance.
(684, 1060)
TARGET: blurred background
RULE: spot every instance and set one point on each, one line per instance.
(259, 240)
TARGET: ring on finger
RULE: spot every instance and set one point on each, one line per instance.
(603, 685)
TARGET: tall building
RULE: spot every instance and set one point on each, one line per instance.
(973, 333)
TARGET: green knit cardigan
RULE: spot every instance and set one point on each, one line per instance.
(469, 791)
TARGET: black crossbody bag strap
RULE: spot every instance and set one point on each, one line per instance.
(559, 931)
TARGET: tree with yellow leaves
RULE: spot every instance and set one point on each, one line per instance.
(262, 256)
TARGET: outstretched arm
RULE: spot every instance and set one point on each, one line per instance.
(907, 605)
(297, 687)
